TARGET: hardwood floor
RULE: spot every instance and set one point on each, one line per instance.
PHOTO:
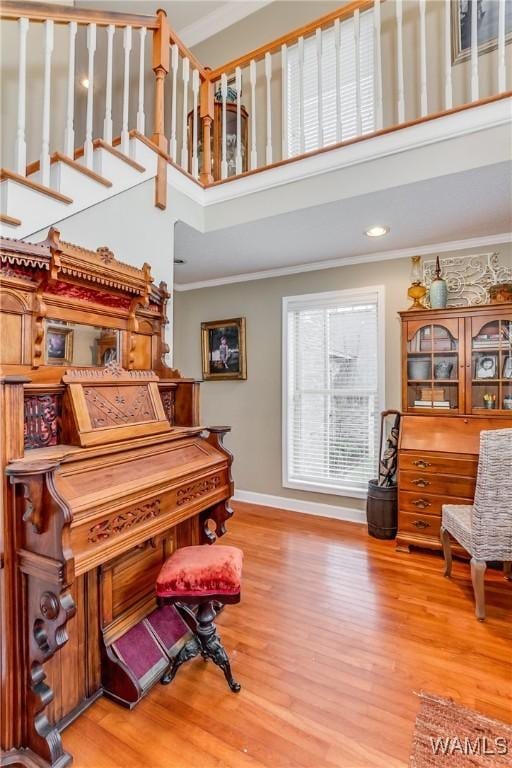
(334, 634)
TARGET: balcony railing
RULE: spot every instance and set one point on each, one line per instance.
(371, 67)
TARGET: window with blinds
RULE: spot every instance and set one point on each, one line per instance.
(333, 386)
(348, 89)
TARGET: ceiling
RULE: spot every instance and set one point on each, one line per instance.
(471, 204)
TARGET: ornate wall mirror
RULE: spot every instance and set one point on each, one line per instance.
(79, 344)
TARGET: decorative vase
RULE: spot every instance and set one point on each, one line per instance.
(438, 289)
(419, 370)
(443, 370)
(416, 291)
(489, 404)
(507, 403)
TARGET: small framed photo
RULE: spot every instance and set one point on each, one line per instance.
(486, 367)
(223, 349)
(59, 345)
(507, 367)
(487, 22)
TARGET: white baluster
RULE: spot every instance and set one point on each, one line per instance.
(474, 50)
(319, 98)
(448, 98)
(125, 133)
(379, 116)
(195, 93)
(252, 78)
(268, 77)
(45, 144)
(69, 133)
(224, 95)
(21, 144)
(501, 47)
(173, 144)
(238, 85)
(337, 51)
(357, 30)
(284, 101)
(91, 48)
(423, 61)
(141, 118)
(184, 146)
(400, 61)
(107, 122)
(300, 50)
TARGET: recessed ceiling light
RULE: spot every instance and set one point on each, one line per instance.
(376, 231)
(180, 261)
(85, 82)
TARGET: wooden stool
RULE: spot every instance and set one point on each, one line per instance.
(206, 577)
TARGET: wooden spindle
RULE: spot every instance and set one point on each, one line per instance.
(474, 50)
(207, 114)
(319, 88)
(502, 75)
(448, 97)
(224, 95)
(185, 68)
(47, 77)
(377, 47)
(357, 55)
(160, 67)
(268, 79)
(400, 60)
(125, 131)
(141, 118)
(173, 144)
(238, 85)
(423, 60)
(337, 79)
(69, 133)
(252, 78)
(91, 48)
(107, 122)
(21, 143)
(300, 51)
(284, 101)
(195, 95)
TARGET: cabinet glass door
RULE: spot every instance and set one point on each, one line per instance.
(433, 368)
(491, 365)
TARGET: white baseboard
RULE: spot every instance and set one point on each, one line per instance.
(298, 505)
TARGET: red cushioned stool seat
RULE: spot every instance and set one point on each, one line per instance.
(199, 581)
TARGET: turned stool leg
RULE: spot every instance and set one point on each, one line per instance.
(212, 647)
(190, 650)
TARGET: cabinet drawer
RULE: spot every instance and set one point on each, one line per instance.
(425, 462)
(419, 524)
(425, 503)
(446, 485)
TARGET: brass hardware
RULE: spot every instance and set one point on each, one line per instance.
(422, 464)
(421, 482)
(422, 503)
(421, 524)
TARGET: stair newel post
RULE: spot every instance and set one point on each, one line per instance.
(160, 66)
(207, 115)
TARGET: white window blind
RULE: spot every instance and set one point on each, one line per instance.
(333, 390)
(328, 96)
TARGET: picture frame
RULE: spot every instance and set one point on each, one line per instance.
(223, 349)
(507, 367)
(59, 345)
(486, 366)
(487, 27)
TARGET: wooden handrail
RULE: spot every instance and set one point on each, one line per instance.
(174, 39)
(62, 14)
(291, 37)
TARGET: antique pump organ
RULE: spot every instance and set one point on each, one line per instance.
(106, 470)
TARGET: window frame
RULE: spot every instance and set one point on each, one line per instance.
(323, 300)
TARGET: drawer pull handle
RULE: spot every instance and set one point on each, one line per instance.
(421, 482)
(422, 464)
(422, 503)
(421, 524)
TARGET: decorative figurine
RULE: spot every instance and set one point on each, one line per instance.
(438, 289)
(416, 291)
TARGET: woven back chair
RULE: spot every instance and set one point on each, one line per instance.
(485, 528)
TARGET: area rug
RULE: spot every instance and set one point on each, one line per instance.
(446, 734)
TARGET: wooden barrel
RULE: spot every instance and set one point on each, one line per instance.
(382, 510)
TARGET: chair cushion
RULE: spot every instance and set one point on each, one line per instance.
(456, 518)
(204, 570)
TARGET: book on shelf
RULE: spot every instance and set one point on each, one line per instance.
(431, 403)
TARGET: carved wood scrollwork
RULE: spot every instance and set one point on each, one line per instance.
(167, 396)
(197, 489)
(123, 520)
(41, 420)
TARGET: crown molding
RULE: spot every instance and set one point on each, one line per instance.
(221, 18)
(367, 258)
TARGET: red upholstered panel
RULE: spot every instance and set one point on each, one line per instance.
(204, 570)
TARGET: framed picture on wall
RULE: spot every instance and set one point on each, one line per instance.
(59, 345)
(223, 349)
(487, 12)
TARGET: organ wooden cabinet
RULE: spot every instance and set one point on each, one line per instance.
(105, 470)
(456, 382)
